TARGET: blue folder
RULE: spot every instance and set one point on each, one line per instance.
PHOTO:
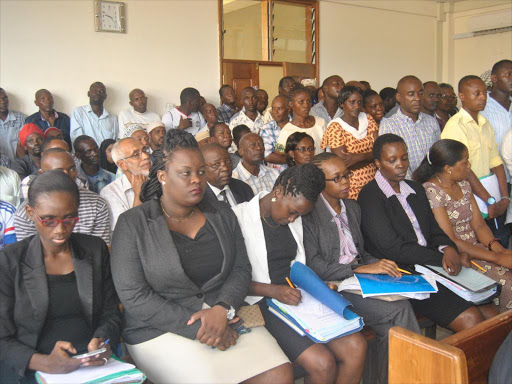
(388, 285)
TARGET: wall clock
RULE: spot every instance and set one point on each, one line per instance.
(109, 16)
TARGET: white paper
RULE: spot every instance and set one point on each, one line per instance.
(490, 183)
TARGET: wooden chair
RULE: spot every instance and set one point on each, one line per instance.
(462, 358)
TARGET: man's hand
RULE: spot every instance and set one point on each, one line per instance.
(136, 181)
(185, 123)
(501, 207)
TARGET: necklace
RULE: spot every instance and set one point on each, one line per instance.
(440, 182)
(178, 220)
(270, 225)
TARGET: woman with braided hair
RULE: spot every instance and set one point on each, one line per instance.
(181, 271)
(272, 227)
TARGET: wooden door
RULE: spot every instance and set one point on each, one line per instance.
(239, 75)
(299, 71)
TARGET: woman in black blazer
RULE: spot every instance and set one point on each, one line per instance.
(398, 225)
(181, 271)
(56, 292)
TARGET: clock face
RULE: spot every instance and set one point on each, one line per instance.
(110, 16)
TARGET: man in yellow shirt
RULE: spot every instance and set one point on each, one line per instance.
(473, 130)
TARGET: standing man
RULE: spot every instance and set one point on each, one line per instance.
(284, 88)
(228, 107)
(447, 103)
(262, 103)
(156, 133)
(419, 130)
(329, 108)
(270, 132)
(137, 114)
(10, 125)
(474, 131)
(430, 100)
(251, 169)
(249, 115)
(123, 193)
(93, 120)
(87, 152)
(48, 117)
(498, 110)
(187, 115)
(31, 140)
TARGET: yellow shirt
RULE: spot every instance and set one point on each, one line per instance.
(479, 138)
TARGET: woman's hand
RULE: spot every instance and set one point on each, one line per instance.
(286, 294)
(451, 261)
(465, 259)
(349, 159)
(505, 259)
(383, 266)
(213, 325)
(59, 361)
(228, 339)
(94, 344)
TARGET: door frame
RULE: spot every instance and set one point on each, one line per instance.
(313, 3)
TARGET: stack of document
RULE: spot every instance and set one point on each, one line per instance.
(377, 285)
(469, 284)
(115, 371)
(322, 314)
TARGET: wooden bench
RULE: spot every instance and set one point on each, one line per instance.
(464, 357)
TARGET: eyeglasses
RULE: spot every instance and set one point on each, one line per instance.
(339, 179)
(216, 166)
(305, 149)
(54, 222)
(137, 154)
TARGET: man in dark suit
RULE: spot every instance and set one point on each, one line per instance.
(221, 186)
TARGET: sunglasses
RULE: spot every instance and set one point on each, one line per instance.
(54, 222)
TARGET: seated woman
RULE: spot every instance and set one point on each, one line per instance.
(351, 137)
(300, 149)
(335, 251)
(373, 105)
(443, 174)
(106, 161)
(272, 227)
(299, 103)
(56, 292)
(181, 270)
(398, 224)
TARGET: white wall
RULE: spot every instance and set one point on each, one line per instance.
(358, 41)
(52, 44)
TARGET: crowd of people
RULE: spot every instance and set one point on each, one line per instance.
(186, 217)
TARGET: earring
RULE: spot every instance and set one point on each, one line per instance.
(163, 182)
(450, 171)
(273, 200)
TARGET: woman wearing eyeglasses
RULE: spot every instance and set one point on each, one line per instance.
(300, 149)
(56, 292)
(351, 137)
(335, 251)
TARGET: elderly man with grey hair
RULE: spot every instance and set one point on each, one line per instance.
(132, 157)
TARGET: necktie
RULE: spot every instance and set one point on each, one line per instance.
(222, 196)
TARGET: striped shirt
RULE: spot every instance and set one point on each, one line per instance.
(319, 110)
(263, 182)
(25, 184)
(419, 136)
(348, 250)
(500, 119)
(7, 232)
(270, 133)
(225, 113)
(92, 211)
(405, 191)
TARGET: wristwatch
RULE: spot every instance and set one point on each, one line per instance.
(490, 201)
(231, 311)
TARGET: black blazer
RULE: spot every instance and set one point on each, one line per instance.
(158, 297)
(241, 191)
(322, 241)
(24, 295)
(388, 232)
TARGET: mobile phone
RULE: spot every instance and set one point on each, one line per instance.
(89, 354)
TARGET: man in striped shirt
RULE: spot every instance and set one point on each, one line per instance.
(92, 211)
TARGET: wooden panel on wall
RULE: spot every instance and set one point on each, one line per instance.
(240, 75)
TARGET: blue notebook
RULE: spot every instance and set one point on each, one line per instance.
(376, 285)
